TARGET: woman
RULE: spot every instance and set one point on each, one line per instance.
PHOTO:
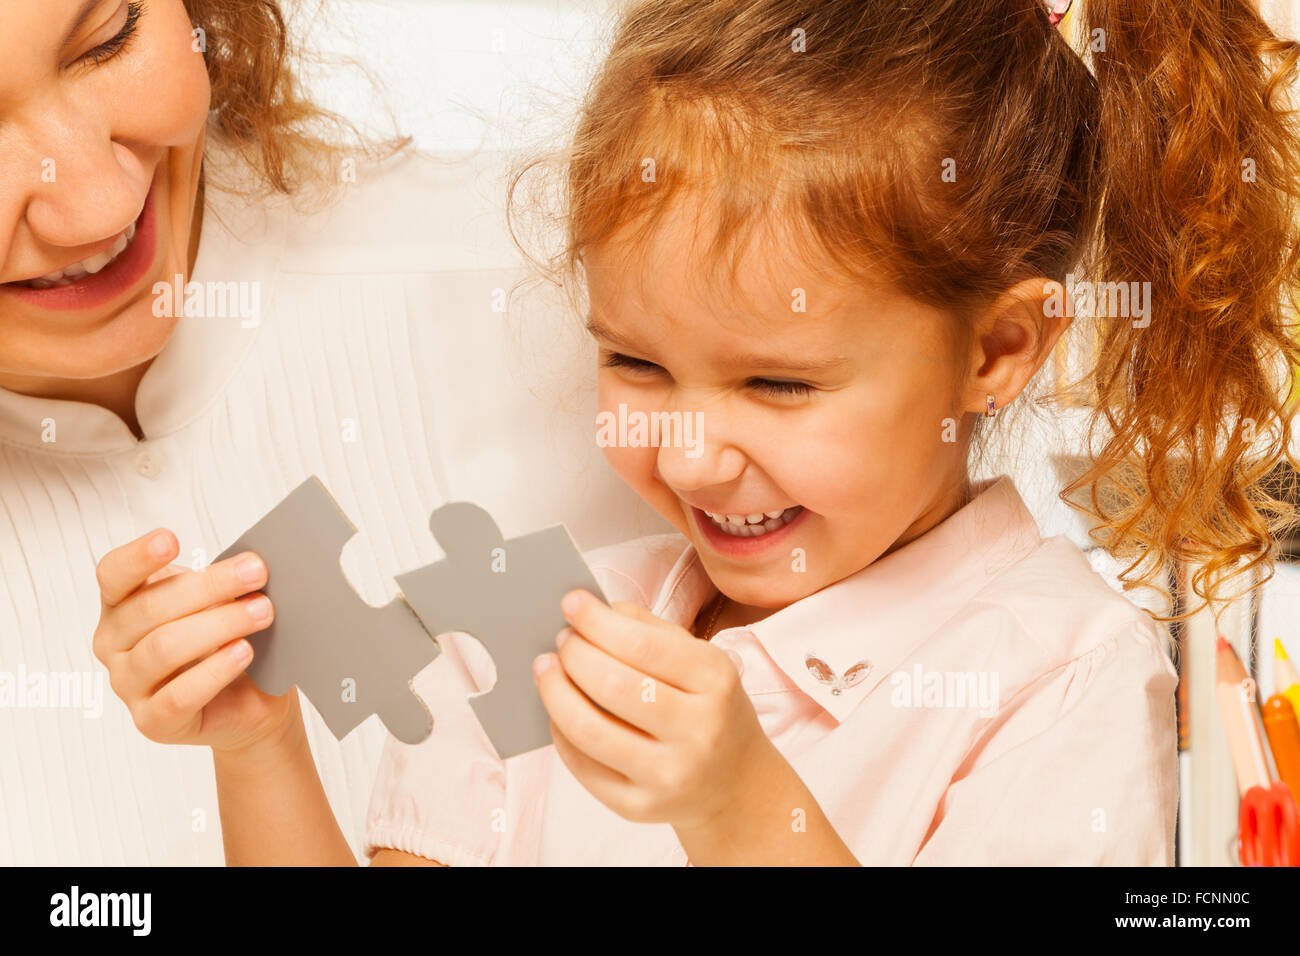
(181, 344)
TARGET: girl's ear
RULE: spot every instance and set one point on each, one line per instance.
(1012, 339)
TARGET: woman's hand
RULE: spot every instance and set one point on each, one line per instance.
(677, 740)
(171, 639)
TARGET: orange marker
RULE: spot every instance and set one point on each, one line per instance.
(1283, 739)
(1236, 694)
(1285, 680)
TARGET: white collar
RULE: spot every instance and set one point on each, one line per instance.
(883, 612)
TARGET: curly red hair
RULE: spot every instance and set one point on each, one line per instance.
(259, 103)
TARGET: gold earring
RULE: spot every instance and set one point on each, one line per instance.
(988, 407)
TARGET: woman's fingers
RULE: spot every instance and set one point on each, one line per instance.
(170, 648)
(125, 569)
(178, 702)
(180, 596)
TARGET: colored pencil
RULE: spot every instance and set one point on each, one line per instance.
(1235, 693)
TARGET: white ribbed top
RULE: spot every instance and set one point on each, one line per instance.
(377, 325)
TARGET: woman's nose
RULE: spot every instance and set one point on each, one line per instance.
(70, 183)
(90, 195)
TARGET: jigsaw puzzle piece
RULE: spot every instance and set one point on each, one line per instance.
(507, 595)
(349, 658)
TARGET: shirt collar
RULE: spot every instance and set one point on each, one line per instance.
(241, 242)
(880, 614)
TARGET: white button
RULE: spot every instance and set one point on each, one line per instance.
(149, 462)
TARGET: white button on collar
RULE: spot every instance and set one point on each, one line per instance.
(149, 462)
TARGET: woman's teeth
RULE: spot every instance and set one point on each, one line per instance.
(753, 525)
(79, 270)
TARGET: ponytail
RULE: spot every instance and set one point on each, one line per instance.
(1199, 179)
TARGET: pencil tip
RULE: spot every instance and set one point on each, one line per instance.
(1278, 650)
(1222, 645)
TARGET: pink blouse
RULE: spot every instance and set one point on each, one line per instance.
(979, 696)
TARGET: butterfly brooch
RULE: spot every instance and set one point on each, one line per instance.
(823, 673)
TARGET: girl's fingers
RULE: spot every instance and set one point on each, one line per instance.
(124, 569)
(608, 786)
(640, 700)
(164, 651)
(640, 640)
(184, 696)
(601, 736)
(182, 595)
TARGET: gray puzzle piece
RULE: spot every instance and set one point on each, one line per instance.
(323, 634)
(507, 595)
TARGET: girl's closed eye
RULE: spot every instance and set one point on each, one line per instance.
(619, 360)
(780, 387)
(775, 387)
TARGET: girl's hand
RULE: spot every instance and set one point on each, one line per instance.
(171, 639)
(677, 739)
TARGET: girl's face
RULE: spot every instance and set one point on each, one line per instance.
(835, 434)
(103, 105)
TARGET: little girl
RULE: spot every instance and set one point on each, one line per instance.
(829, 230)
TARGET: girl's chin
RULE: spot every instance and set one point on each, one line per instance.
(770, 591)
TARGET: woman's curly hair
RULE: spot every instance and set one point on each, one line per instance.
(259, 103)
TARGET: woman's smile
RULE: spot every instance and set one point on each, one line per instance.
(100, 278)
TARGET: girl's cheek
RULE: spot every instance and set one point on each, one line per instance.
(819, 459)
(636, 466)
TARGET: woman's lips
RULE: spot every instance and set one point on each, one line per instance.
(110, 282)
(732, 546)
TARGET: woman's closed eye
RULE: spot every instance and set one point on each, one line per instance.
(780, 388)
(117, 43)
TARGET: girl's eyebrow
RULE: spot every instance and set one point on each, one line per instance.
(753, 361)
(595, 328)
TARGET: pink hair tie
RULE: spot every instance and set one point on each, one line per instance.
(1057, 10)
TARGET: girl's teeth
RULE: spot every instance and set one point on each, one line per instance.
(753, 525)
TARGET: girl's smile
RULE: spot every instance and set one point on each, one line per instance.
(745, 525)
(749, 535)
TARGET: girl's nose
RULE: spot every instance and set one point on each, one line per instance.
(704, 456)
